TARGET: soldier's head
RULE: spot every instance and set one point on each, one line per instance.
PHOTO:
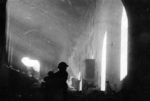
(50, 73)
(62, 66)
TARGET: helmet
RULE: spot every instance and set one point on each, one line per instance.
(50, 73)
(62, 65)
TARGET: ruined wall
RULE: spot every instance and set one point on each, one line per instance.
(107, 17)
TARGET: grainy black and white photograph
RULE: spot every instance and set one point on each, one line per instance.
(75, 50)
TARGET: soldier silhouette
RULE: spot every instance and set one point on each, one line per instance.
(56, 84)
(48, 86)
(61, 77)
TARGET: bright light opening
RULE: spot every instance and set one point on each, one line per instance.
(31, 63)
(103, 66)
(124, 45)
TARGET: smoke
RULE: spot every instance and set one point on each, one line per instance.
(70, 31)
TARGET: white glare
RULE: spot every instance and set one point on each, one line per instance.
(103, 66)
(80, 88)
(92, 56)
(31, 63)
(80, 84)
(124, 46)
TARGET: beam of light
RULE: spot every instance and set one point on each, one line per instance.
(9, 44)
(7, 36)
(80, 83)
(31, 63)
(79, 76)
(103, 66)
(124, 45)
(80, 88)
